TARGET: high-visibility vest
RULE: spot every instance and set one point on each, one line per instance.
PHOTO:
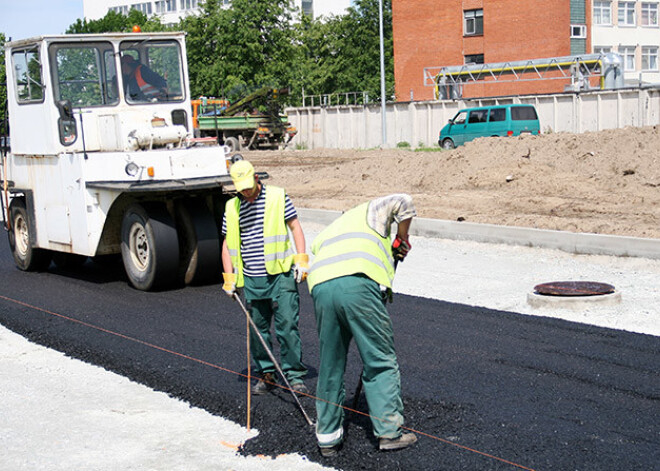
(349, 246)
(277, 246)
(149, 90)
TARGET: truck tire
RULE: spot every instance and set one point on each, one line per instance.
(26, 256)
(149, 246)
(233, 144)
(199, 243)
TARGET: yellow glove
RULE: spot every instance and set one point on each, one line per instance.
(300, 267)
(229, 285)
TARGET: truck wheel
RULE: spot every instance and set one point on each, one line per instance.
(149, 246)
(199, 243)
(448, 144)
(26, 256)
(233, 144)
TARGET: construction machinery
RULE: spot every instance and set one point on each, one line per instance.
(96, 171)
(253, 122)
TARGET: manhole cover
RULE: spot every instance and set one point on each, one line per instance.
(573, 288)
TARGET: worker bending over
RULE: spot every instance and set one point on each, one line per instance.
(353, 259)
(257, 256)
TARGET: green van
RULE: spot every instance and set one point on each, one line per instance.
(498, 120)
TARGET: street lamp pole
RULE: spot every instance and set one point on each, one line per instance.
(382, 75)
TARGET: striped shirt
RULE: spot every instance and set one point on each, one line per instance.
(251, 225)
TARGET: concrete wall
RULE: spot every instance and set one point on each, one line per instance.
(419, 123)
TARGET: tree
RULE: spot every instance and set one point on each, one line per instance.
(249, 45)
(114, 22)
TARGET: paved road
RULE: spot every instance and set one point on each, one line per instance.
(488, 389)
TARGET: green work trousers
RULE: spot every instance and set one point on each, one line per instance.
(276, 296)
(351, 307)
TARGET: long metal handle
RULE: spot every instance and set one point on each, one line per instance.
(272, 358)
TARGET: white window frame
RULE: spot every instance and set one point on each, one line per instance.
(626, 14)
(649, 17)
(650, 58)
(578, 31)
(470, 22)
(628, 55)
(602, 49)
(602, 13)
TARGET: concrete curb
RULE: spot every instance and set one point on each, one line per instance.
(578, 243)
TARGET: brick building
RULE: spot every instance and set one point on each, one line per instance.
(442, 33)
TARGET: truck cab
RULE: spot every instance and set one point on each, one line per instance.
(103, 159)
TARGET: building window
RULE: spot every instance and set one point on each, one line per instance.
(626, 13)
(143, 7)
(602, 49)
(188, 4)
(165, 6)
(578, 31)
(602, 13)
(474, 59)
(473, 22)
(308, 7)
(650, 58)
(649, 14)
(628, 54)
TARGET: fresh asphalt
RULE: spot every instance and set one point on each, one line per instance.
(483, 389)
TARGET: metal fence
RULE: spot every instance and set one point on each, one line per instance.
(418, 123)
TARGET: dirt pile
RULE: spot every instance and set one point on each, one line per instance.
(605, 182)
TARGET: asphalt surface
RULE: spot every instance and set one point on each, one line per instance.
(484, 389)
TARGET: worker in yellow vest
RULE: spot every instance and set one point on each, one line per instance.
(354, 264)
(257, 256)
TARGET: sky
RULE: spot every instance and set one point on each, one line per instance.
(20, 19)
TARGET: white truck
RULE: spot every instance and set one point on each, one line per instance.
(95, 169)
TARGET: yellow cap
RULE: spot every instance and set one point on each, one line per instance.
(242, 174)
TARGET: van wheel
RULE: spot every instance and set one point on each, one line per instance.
(448, 144)
(26, 256)
(149, 246)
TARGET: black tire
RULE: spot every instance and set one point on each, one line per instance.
(68, 261)
(448, 144)
(233, 144)
(21, 240)
(149, 246)
(199, 243)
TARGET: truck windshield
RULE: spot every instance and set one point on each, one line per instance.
(85, 74)
(151, 71)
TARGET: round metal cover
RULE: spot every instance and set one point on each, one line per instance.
(573, 288)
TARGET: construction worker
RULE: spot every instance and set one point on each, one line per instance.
(257, 256)
(140, 82)
(354, 263)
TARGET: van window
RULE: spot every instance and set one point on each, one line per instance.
(497, 114)
(523, 113)
(460, 117)
(478, 116)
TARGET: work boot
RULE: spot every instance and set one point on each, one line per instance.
(330, 451)
(405, 440)
(300, 388)
(265, 384)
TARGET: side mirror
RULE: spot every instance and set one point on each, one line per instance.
(451, 121)
(65, 108)
(67, 123)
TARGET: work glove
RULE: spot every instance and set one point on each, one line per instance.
(229, 285)
(300, 267)
(400, 248)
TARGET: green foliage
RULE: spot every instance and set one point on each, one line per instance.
(114, 22)
(403, 145)
(254, 43)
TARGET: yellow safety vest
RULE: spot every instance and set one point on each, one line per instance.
(277, 246)
(349, 246)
